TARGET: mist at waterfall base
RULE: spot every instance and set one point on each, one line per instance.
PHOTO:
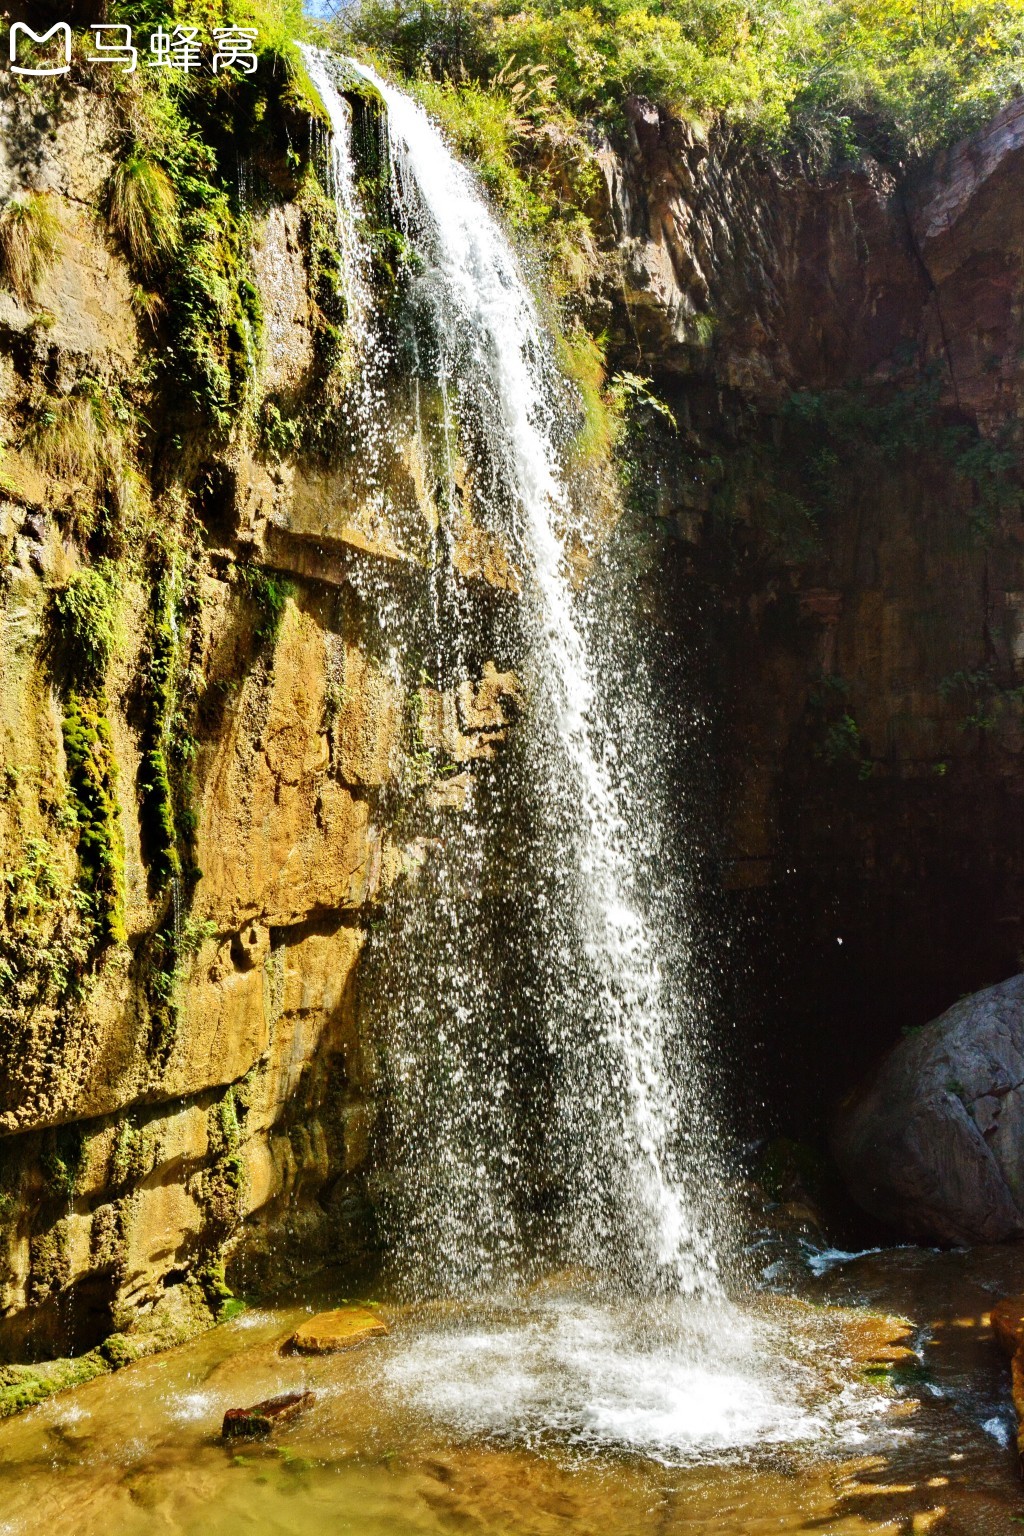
(539, 998)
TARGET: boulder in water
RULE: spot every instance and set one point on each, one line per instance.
(259, 1421)
(343, 1328)
(933, 1142)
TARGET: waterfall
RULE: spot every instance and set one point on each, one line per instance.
(598, 1000)
(342, 188)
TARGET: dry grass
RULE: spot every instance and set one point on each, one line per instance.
(30, 241)
(142, 210)
(83, 441)
(71, 441)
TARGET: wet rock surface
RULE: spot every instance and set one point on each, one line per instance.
(872, 840)
(259, 1421)
(1008, 1327)
(932, 1143)
(343, 1328)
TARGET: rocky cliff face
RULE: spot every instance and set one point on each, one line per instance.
(844, 524)
(216, 761)
(214, 765)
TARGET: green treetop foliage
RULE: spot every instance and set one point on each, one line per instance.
(899, 77)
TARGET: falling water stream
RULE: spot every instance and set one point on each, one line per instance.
(640, 1171)
(542, 1023)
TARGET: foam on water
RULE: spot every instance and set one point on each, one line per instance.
(675, 1384)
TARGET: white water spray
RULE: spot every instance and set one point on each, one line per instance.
(342, 188)
(624, 1129)
(491, 342)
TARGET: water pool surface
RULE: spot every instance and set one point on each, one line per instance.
(559, 1413)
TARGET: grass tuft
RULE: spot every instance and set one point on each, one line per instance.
(142, 211)
(30, 242)
(84, 438)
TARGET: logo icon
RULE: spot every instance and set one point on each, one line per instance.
(60, 29)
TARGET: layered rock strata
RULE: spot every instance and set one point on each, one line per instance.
(182, 1062)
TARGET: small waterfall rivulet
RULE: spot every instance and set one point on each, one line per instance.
(541, 1023)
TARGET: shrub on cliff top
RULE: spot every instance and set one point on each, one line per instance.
(900, 77)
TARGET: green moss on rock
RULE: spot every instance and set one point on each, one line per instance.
(22, 1386)
(92, 776)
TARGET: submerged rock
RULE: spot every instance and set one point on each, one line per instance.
(933, 1142)
(257, 1422)
(343, 1328)
(1008, 1327)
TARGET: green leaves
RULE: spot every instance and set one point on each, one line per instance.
(897, 77)
(83, 625)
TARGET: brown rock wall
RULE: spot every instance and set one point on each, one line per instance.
(843, 559)
(155, 1110)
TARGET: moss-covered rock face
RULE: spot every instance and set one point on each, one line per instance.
(205, 781)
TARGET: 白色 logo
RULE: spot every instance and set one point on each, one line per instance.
(60, 30)
(180, 48)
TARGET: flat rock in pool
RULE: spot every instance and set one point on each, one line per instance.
(343, 1328)
(262, 1419)
(875, 1340)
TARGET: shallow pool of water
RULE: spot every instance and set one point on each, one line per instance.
(560, 1412)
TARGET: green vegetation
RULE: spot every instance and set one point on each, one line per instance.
(32, 887)
(22, 1386)
(174, 206)
(92, 777)
(46, 941)
(82, 631)
(143, 211)
(62, 1160)
(218, 1295)
(269, 593)
(166, 783)
(329, 311)
(128, 1162)
(890, 423)
(278, 434)
(30, 242)
(165, 735)
(83, 625)
(771, 491)
(899, 77)
(49, 1261)
(581, 358)
(989, 704)
(217, 313)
